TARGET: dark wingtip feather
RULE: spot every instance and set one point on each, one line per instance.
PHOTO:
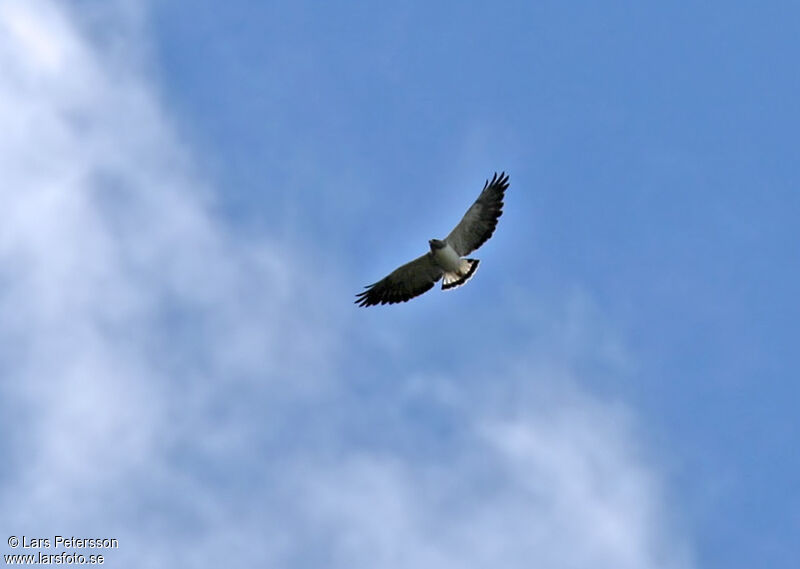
(372, 297)
(362, 298)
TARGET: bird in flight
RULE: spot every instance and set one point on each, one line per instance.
(445, 259)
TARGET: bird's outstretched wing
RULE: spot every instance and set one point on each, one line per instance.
(480, 221)
(404, 283)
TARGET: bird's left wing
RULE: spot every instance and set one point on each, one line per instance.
(404, 283)
(480, 221)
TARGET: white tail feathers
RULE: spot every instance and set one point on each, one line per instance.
(465, 271)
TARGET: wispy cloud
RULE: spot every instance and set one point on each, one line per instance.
(123, 292)
(179, 386)
(556, 485)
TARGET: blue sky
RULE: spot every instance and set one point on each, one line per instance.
(195, 193)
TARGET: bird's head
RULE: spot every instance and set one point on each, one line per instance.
(436, 244)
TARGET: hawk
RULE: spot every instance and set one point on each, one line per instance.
(445, 259)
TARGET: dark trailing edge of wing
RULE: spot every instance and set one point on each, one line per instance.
(379, 293)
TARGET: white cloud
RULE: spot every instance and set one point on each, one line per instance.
(171, 383)
(552, 479)
(116, 277)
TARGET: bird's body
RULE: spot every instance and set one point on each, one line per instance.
(456, 271)
(444, 255)
(445, 258)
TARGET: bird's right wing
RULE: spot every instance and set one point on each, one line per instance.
(404, 283)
